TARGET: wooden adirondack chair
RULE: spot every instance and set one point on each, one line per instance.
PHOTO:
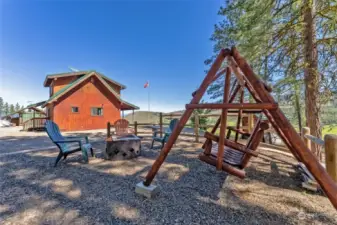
(167, 134)
(64, 143)
(122, 127)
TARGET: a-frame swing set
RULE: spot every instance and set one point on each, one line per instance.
(231, 156)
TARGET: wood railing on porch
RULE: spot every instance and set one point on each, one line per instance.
(34, 123)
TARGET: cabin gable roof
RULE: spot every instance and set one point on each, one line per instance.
(78, 81)
(49, 78)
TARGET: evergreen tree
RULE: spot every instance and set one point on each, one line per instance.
(11, 108)
(6, 108)
(1, 105)
(17, 107)
(202, 119)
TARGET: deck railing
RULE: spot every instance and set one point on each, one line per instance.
(36, 123)
(329, 144)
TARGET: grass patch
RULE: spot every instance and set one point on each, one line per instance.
(329, 129)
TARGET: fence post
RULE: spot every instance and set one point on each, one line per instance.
(307, 142)
(161, 124)
(136, 127)
(330, 146)
(108, 132)
(250, 123)
(196, 127)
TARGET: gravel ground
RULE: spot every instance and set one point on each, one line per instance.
(13, 140)
(191, 192)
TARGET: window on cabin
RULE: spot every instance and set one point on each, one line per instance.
(96, 111)
(74, 109)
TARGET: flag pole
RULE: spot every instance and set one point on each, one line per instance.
(148, 102)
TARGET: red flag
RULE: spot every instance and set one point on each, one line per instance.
(146, 84)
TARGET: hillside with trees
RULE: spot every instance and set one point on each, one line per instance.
(8, 108)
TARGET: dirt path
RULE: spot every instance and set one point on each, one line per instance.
(192, 192)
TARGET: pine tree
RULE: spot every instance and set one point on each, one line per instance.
(11, 108)
(1, 106)
(202, 119)
(6, 109)
(17, 107)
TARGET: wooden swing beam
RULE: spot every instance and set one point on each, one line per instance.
(223, 121)
(238, 122)
(260, 92)
(224, 166)
(232, 106)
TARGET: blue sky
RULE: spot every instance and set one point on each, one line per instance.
(165, 42)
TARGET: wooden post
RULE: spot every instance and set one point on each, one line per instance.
(306, 131)
(250, 123)
(108, 131)
(196, 127)
(238, 122)
(33, 119)
(254, 141)
(223, 123)
(186, 115)
(135, 128)
(330, 143)
(161, 124)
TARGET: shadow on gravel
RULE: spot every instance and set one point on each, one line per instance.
(102, 192)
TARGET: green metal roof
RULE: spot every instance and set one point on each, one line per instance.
(49, 77)
(37, 104)
(79, 80)
(64, 89)
(132, 105)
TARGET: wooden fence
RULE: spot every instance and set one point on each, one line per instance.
(330, 148)
(196, 126)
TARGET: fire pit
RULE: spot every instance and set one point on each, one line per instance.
(123, 147)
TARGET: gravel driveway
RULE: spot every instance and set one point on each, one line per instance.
(191, 192)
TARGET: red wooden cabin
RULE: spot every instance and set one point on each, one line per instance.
(84, 100)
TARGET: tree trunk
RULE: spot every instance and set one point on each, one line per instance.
(311, 78)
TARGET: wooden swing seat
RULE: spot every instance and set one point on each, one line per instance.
(231, 156)
(236, 156)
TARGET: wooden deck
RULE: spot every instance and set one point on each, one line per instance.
(34, 124)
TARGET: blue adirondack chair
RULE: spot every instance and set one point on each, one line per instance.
(166, 135)
(65, 143)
